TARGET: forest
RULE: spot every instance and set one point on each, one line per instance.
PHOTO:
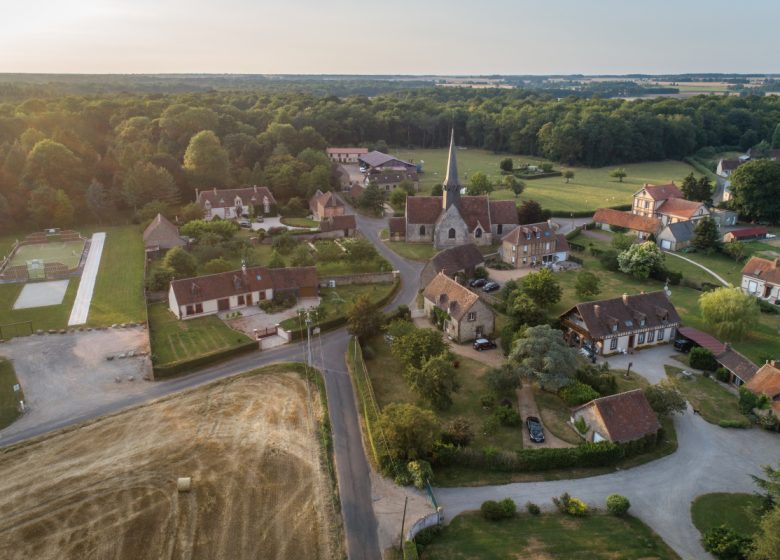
(65, 155)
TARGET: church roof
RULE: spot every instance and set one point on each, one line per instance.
(503, 212)
(451, 179)
(474, 210)
(423, 209)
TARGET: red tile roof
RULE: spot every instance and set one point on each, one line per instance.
(763, 269)
(703, 339)
(356, 190)
(347, 150)
(503, 212)
(423, 209)
(737, 364)
(766, 381)
(626, 220)
(626, 416)
(224, 198)
(397, 225)
(475, 210)
(750, 232)
(662, 192)
(679, 207)
(450, 296)
(334, 223)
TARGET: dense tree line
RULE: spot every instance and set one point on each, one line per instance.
(123, 150)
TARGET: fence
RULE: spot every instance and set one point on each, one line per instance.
(430, 520)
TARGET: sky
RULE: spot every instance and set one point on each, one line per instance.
(389, 37)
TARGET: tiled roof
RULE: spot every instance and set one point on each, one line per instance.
(626, 220)
(224, 198)
(457, 258)
(450, 296)
(356, 190)
(750, 232)
(626, 416)
(521, 233)
(763, 269)
(729, 164)
(391, 175)
(661, 192)
(766, 381)
(162, 233)
(475, 210)
(236, 282)
(736, 363)
(347, 150)
(703, 339)
(562, 244)
(679, 207)
(423, 209)
(375, 159)
(334, 223)
(503, 212)
(626, 313)
(681, 231)
(397, 225)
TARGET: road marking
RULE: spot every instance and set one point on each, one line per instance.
(78, 315)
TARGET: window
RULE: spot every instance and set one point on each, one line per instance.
(641, 322)
(660, 334)
(500, 228)
(190, 310)
(752, 286)
(650, 337)
(472, 316)
(478, 233)
(641, 338)
(422, 230)
(525, 260)
(647, 204)
(261, 295)
(613, 343)
(241, 300)
(547, 247)
(198, 308)
(538, 234)
(525, 248)
(451, 233)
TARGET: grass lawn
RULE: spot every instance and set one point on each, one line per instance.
(300, 222)
(590, 188)
(413, 251)
(555, 416)
(713, 401)
(65, 252)
(9, 399)
(173, 340)
(709, 511)
(45, 318)
(119, 289)
(547, 536)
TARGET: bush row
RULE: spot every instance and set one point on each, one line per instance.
(182, 366)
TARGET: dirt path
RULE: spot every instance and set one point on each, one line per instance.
(527, 407)
(704, 268)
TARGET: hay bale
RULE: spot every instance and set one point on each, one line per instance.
(184, 483)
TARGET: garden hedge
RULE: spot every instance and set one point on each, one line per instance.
(182, 366)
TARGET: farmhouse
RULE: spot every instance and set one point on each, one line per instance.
(666, 202)
(345, 155)
(761, 278)
(746, 234)
(206, 295)
(465, 316)
(465, 258)
(641, 226)
(234, 203)
(452, 219)
(377, 160)
(676, 236)
(388, 179)
(533, 244)
(338, 226)
(766, 381)
(618, 418)
(727, 166)
(622, 324)
(325, 205)
(161, 235)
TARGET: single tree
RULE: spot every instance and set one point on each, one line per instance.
(437, 190)
(435, 381)
(217, 265)
(587, 285)
(706, 236)
(416, 346)
(542, 287)
(372, 199)
(514, 184)
(146, 182)
(507, 165)
(284, 243)
(542, 354)
(523, 309)
(640, 260)
(479, 184)
(301, 256)
(621, 241)
(51, 164)
(503, 380)
(181, 262)
(619, 174)
(206, 161)
(568, 175)
(736, 250)
(276, 260)
(398, 199)
(730, 312)
(360, 250)
(189, 212)
(410, 431)
(363, 318)
(665, 399)
(755, 188)
(529, 212)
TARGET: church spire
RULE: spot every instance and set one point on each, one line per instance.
(451, 186)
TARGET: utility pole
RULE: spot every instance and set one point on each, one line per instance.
(308, 339)
(403, 520)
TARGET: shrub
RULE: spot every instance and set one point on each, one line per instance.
(703, 359)
(490, 425)
(532, 508)
(617, 504)
(420, 472)
(159, 279)
(427, 535)
(496, 511)
(609, 260)
(577, 393)
(508, 507)
(457, 431)
(576, 508)
(507, 416)
(487, 401)
(766, 307)
(727, 544)
(722, 374)
(602, 381)
(581, 425)
(734, 424)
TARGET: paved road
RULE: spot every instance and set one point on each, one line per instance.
(80, 310)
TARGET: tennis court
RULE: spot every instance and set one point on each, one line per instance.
(65, 252)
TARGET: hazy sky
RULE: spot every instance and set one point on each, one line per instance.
(390, 37)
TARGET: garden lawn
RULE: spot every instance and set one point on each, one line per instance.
(590, 188)
(9, 410)
(413, 251)
(555, 416)
(45, 318)
(714, 402)
(119, 288)
(735, 511)
(173, 340)
(300, 222)
(547, 536)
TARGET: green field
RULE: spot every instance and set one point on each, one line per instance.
(65, 252)
(547, 536)
(735, 511)
(173, 340)
(45, 318)
(713, 402)
(590, 188)
(9, 405)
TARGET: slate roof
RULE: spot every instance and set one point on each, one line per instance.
(384, 175)
(223, 198)
(520, 233)
(162, 233)
(376, 159)
(703, 339)
(450, 296)
(626, 312)
(397, 225)
(457, 258)
(749, 233)
(236, 282)
(335, 223)
(679, 207)
(347, 150)
(729, 164)
(736, 363)
(473, 209)
(451, 179)
(763, 269)
(626, 220)
(661, 192)
(681, 231)
(625, 416)
(562, 244)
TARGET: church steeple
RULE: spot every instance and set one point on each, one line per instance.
(451, 186)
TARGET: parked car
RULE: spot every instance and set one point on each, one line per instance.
(389, 338)
(535, 430)
(684, 345)
(491, 287)
(483, 344)
(245, 224)
(477, 282)
(259, 219)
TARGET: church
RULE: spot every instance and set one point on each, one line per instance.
(451, 219)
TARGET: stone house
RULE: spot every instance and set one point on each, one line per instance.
(761, 278)
(619, 418)
(676, 236)
(389, 178)
(666, 202)
(533, 245)
(467, 316)
(622, 324)
(727, 166)
(325, 205)
(465, 259)
(345, 155)
(160, 236)
(639, 225)
(235, 203)
(225, 291)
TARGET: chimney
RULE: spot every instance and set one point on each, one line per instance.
(773, 363)
(215, 191)
(255, 187)
(197, 195)
(726, 346)
(625, 299)
(597, 310)
(776, 263)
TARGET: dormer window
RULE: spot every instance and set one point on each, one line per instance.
(528, 235)
(642, 322)
(538, 234)
(614, 327)
(208, 205)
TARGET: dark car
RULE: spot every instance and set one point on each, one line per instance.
(483, 344)
(684, 345)
(535, 430)
(245, 224)
(491, 287)
(477, 282)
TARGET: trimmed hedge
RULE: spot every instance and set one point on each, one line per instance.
(534, 460)
(176, 368)
(586, 213)
(532, 176)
